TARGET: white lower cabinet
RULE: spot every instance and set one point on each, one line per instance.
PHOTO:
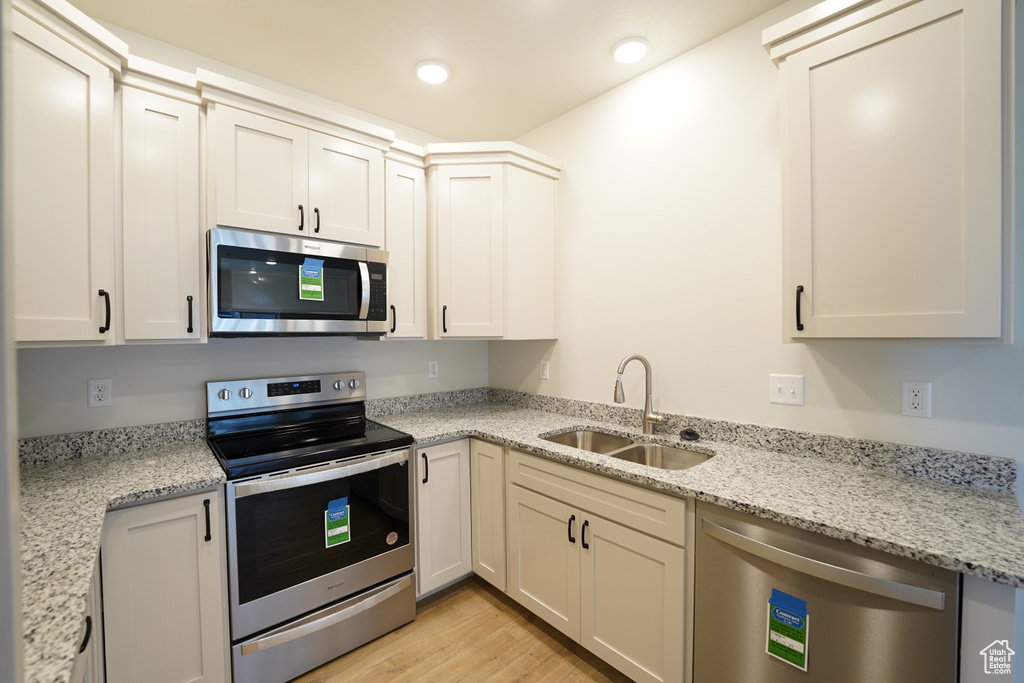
(443, 546)
(163, 591)
(89, 663)
(614, 589)
(487, 508)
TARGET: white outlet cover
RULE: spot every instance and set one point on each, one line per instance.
(432, 369)
(101, 393)
(786, 389)
(545, 369)
(917, 399)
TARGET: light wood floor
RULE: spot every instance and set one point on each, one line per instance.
(469, 632)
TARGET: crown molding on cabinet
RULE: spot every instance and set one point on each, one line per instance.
(455, 153)
(71, 24)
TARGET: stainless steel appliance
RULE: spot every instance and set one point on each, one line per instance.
(265, 284)
(865, 615)
(319, 500)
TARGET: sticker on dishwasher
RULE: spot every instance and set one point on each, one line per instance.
(311, 279)
(787, 629)
(336, 522)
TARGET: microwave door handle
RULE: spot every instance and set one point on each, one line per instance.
(364, 304)
(291, 481)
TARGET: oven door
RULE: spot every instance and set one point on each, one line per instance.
(264, 284)
(300, 540)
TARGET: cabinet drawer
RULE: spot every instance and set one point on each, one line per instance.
(652, 513)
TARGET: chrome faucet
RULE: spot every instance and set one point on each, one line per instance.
(651, 418)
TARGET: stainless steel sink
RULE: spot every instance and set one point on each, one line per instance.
(595, 442)
(664, 457)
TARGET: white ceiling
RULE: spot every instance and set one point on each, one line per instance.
(515, 63)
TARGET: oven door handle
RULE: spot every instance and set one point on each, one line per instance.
(307, 477)
(316, 623)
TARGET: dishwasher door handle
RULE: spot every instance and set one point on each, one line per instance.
(916, 595)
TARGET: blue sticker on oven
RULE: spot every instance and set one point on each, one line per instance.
(336, 522)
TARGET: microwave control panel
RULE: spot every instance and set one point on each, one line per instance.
(378, 291)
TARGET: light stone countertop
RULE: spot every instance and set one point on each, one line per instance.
(966, 529)
(62, 508)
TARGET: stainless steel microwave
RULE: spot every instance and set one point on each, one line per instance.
(262, 284)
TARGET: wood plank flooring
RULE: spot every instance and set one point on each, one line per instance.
(468, 632)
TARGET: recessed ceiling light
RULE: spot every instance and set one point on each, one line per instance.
(629, 50)
(432, 71)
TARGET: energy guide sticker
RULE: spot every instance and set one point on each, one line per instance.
(787, 629)
(311, 279)
(336, 530)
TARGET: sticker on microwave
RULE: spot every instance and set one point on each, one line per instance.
(787, 629)
(336, 523)
(311, 280)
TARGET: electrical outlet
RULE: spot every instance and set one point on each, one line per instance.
(786, 389)
(917, 399)
(101, 393)
(545, 369)
(432, 369)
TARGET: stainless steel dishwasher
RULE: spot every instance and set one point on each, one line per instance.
(775, 604)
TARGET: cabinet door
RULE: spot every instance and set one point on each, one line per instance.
(346, 190)
(89, 663)
(163, 591)
(632, 602)
(443, 546)
(62, 188)
(543, 558)
(894, 176)
(261, 172)
(487, 502)
(406, 240)
(470, 253)
(163, 287)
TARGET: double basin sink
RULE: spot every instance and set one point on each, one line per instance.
(624, 448)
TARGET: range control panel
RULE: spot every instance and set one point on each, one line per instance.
(274, 393)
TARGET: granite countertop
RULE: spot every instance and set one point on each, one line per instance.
(970, 530)
(62, 508)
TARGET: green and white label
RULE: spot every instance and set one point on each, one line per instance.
(336, 523)
(787, 629)
(311, 280)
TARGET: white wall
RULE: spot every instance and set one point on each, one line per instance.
(670, 246)
(166, 383)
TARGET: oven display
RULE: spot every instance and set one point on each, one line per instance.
(292, 388)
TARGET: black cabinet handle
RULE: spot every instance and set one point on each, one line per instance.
(106, 296)
(206, 504)
(189, 300)
(571, 520)
(583, 535)
(302, 217)
(444, 319)
(426, 467)
(394, 319)
(799, 291)
(316, 210)
(88, 634)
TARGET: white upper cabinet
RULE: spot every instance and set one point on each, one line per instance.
(406, 244)
(164, 291)
(492, 233)
(61, 100)
(892, 127)
(288, 166)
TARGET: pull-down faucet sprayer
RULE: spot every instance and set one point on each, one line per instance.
(651, 418)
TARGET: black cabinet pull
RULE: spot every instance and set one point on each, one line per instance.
(189, 300)
(316, 210)
(88, 634)
(106, 296)
(572, 519)
(799, 291)
(206, 504)
(302, 217)
(583, 535)
(426, 467)
(394, 319)
(444, 319)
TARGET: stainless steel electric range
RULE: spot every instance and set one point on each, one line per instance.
(319, 501)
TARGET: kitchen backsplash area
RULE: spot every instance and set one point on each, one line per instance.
(969, 469)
